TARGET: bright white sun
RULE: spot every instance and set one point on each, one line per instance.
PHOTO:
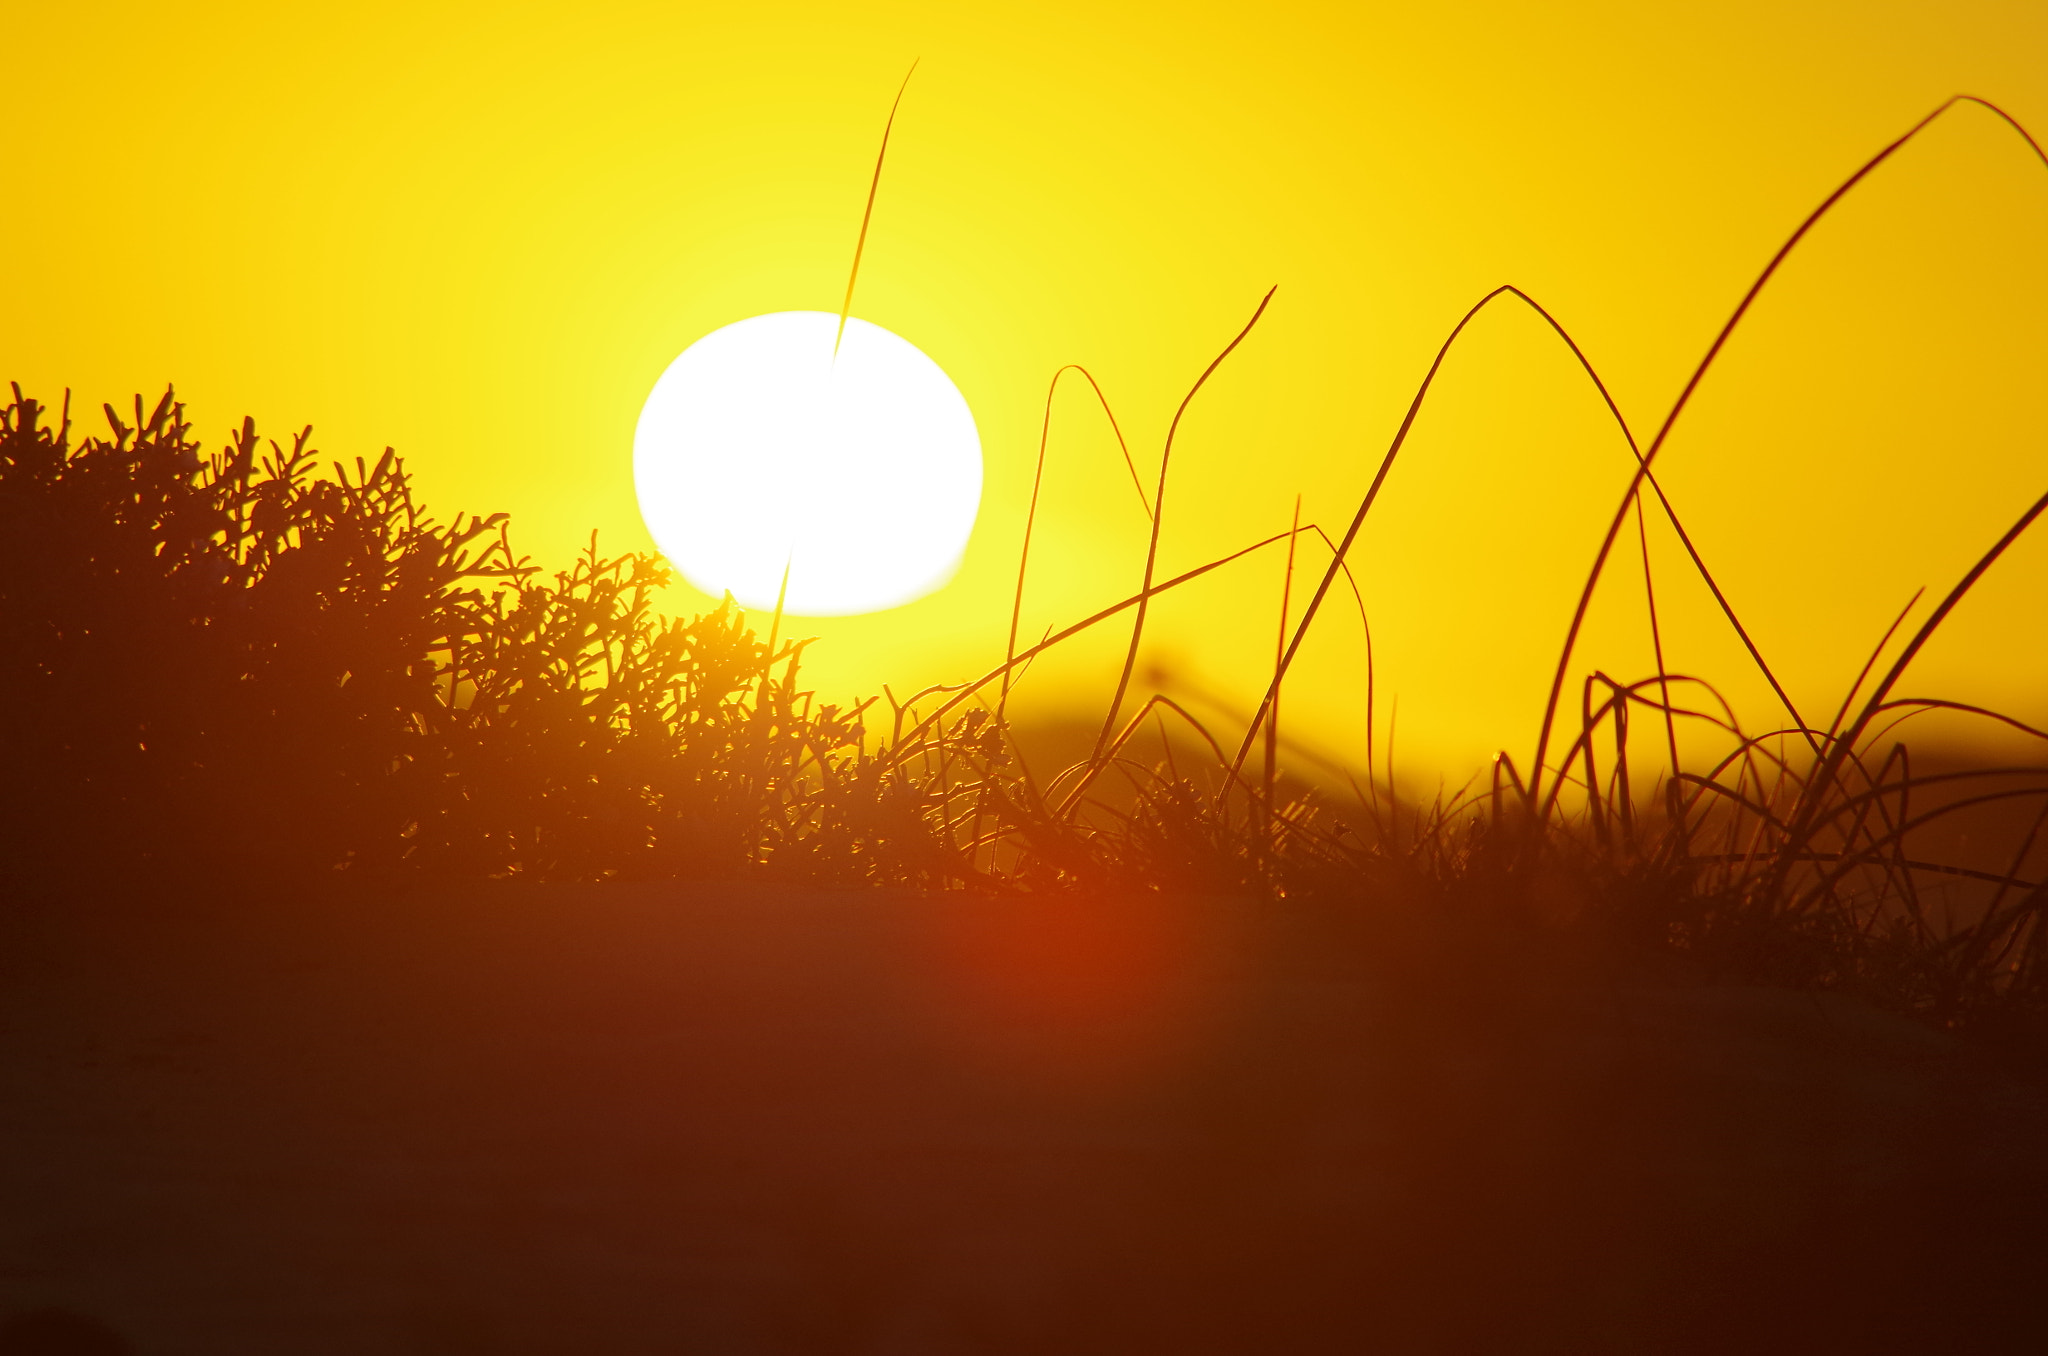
(758, 450)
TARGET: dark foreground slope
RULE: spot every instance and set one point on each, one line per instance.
(633, 1119)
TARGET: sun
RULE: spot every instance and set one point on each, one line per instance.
(759, 450)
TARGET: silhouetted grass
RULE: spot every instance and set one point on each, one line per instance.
(230, 667)
(1791, 860)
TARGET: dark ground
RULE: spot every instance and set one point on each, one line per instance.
(640, 1119)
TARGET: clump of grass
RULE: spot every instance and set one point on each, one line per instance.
(231, 665)
(1789, 860)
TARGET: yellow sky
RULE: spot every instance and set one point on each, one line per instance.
(478, 233)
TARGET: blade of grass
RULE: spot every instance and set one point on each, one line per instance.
(1031, 513)
(1123, 681)
(867, 213)
(1086, 623)
(1272, 770)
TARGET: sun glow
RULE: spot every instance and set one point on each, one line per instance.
(760, 451)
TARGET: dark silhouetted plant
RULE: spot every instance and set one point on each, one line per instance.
(231, 666)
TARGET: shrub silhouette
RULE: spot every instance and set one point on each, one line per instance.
(229, 666)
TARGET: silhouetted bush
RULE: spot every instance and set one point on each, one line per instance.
(228, 665)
